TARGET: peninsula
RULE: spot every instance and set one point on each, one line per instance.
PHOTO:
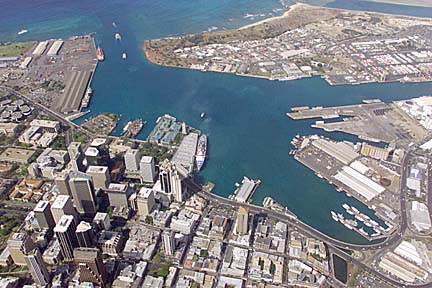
(342, 46)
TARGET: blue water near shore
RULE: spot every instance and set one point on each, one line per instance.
(248, 131)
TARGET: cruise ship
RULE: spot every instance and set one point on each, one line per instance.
(201, 151)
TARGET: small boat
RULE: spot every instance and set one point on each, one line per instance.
(355, 209)
(22, 32)
(368, 224)
(124, 56)
(348, 226)
(345, 206)
(100, 54)
(334, 216)
(350, 212)
(117, 36)
(114, 24)
(363, 232)
(203, 114)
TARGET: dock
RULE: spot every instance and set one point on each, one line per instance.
(245, 191)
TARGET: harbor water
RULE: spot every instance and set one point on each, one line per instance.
(249, 134)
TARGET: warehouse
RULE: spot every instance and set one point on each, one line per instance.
(359, 183)
(40, 48)
(342, 151)
(55, 48)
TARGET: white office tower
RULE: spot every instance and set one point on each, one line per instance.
(132, 160)
(37, 268)
(145, 201)
(170, 180)
(147, 169)
(81, 185)
(63, 206)
(65, 233)
(100, 176)
(168, 242)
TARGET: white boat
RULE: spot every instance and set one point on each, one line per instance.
(363, 232)
(358, 217)
(22, 32)
(124, 56)
(355, 209)
(367, 223)
(350, 212)
(202, 115)
(374, 223)
(117, 36)
(334, 216)
(201, 151)
(345, 206)
(351, 222)
(348, 226)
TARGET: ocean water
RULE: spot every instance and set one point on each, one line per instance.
(248, 131)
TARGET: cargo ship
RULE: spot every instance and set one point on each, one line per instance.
(201, 151)
(100, 54)
(132, 128)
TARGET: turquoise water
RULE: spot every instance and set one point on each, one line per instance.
(248, 131)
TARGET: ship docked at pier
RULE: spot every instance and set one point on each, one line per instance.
(201, 152)
(132, 128)
(100, 54)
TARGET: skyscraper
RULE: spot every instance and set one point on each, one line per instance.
(82, 192)
(43, 215)
(145, 201)
(62, 182)
(63, 206)
(90, 266)
(242, 222)
(37, 267)
(132, 160)
(65, 233)
(85, 235)
(168, 242)
(19, 245)
(170, 180)
(147, 169)
(100, 176)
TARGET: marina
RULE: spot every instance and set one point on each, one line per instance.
(361, 222)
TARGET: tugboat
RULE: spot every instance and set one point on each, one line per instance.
(117, 36)
(100, 54)
(124, 56)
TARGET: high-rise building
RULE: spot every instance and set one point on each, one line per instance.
(43, 215)
(62, 182)
(63, 206)
(19, 245)
(145, 201)
(90, 266)
(118, 194)
(147, 169)
(170, 180)
(132, 160)
(168, 242)
(65, 233)
(37, 267)
(74, 149)
(85, 235)
(76, 156)
(82, 191)
(242, 222)
(100, 176)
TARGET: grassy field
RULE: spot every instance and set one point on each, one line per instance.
(14, 49)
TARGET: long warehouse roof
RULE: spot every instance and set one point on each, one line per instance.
(342, 151)
(359, 183)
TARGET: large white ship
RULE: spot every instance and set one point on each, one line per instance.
(201, 151)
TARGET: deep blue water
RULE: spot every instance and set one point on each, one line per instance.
(248, 131)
